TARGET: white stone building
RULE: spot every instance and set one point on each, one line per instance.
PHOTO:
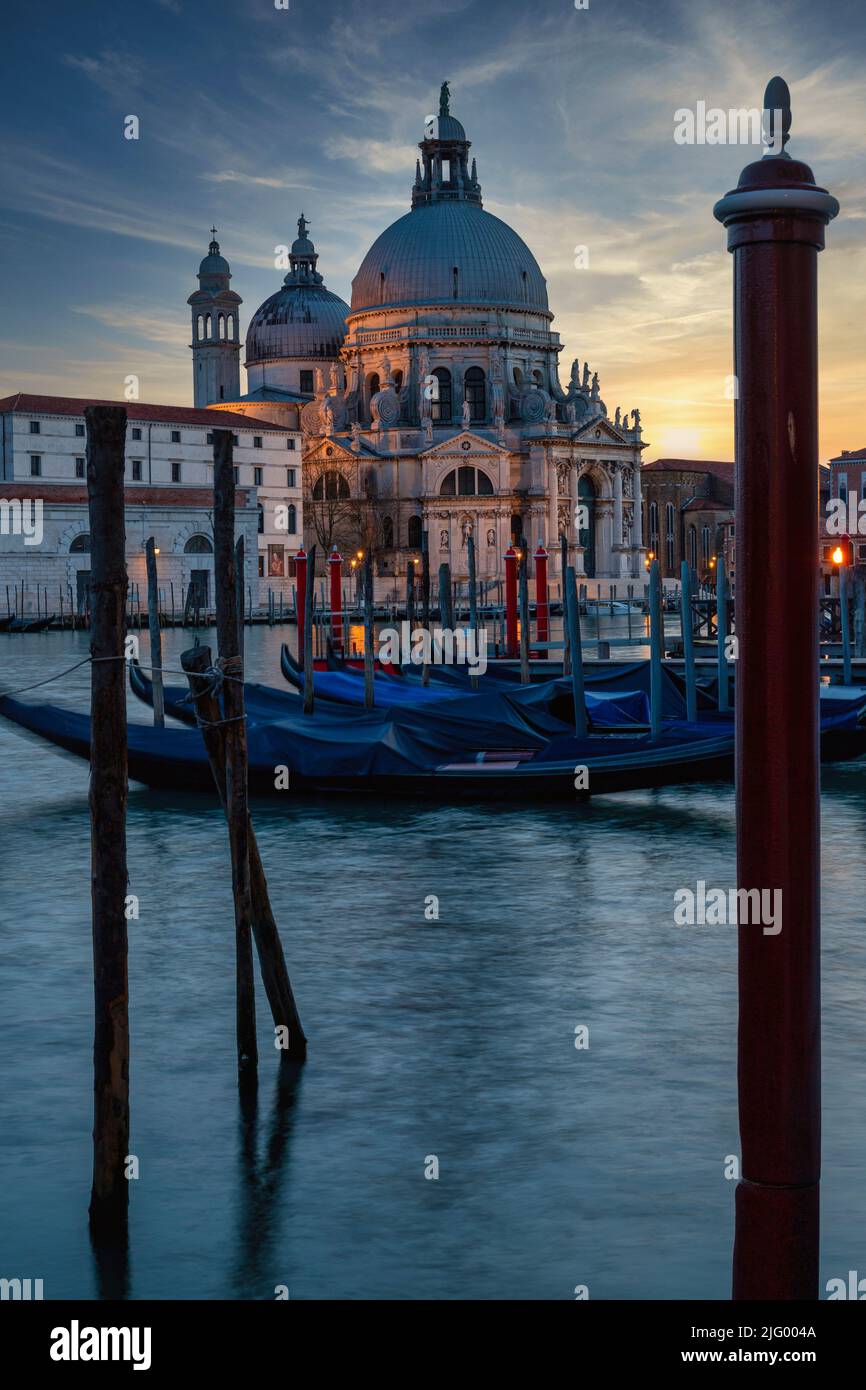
(169, 482)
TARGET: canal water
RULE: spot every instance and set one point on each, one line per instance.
(449, 1039)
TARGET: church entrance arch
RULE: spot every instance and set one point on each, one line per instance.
(586, 534)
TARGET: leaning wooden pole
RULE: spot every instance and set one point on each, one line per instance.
(845, 621)
(775, 220)
(239, 592)
(523, 586)
(155, 633)
(563, 569)
(197, 664)
(106, 443)
(230, 667)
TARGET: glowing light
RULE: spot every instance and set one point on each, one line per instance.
(838, 555)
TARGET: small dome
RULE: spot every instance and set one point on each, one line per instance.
(449, 128)
(415, 259)
(214, 265)
(297, 321)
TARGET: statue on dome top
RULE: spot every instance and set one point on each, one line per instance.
(594, 392)
(616, 419)
(585, 386)
(444, 99)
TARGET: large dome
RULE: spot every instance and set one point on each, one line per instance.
(414, 261)
(303, 319)
(297, 321)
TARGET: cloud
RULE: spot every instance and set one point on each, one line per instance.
(115, 71)
(383, 156)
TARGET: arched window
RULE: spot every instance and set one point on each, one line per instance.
(654, 527)
(331, 486)
(476, 395)
(198, 545)
(398, 380)
(207, 325)
(388, 533)
(441, 404)
(221, 326)
(292, 519)
(199, 326)
(669, 537)
(414, 533)
(80, 545)
(261, 515)
(518, 376)
(466, 482)
(705, 545)
(372, 388)
(516, 529)
(693, 547)
(537, 377)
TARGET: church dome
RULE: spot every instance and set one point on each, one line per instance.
(448, 249)
(444, 252)
(303, 319)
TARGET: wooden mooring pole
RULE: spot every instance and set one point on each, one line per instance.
(572, 623)
(656, 642)
(688, 642)
(425, 597)
(106, 443)
(230, 666)
(845, 621)
(155, 634)
(524, 612)
(723, 699)
(776, 220)
(369, 655)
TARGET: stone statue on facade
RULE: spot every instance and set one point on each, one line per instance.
(320, 382)
(594, 393)
(491, 537)
(443, 540)
(428, 430)
(336, 384)
(328, 416)
(616, 419)
(467, 415)
(550, 412)
(571, 412)
(585, 385)
(356, 438)
(635, 419)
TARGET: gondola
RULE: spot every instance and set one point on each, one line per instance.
(374, 754)
(30, 624)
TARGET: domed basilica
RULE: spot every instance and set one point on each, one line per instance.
(434, 401)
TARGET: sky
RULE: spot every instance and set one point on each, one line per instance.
(249, 114)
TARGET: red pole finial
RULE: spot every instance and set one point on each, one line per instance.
(301, 598)
(511, 644)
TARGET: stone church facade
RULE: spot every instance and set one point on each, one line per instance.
(444, 411)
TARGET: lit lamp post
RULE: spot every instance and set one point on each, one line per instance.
(775, 220)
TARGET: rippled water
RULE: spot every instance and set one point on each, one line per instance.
(452, 1038)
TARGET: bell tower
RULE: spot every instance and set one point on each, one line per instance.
(216, 347)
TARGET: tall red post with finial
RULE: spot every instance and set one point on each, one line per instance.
(775, 220)
(511, 602)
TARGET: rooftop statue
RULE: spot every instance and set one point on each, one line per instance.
(444, 99)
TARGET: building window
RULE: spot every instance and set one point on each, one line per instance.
(705, 546)
(307, 383)
(35, 427)
(669, 537)
(466, 482)
(79, 430)
(388, 533)
(36, 465)
(175, 472)
(654, 527)
(175, 436)
(332, 486)
(209, 439)
(441, 403)
(257, 441)
(257, 477)
(261, 567)
(79, 468)
(290, 443)
(693, 547)
(261, 513)
(474, 387)
(292, 518)
(136, 470)
(414, 533)
(235, 440)
(237, 473)
(291, 475)
(136, 433)
(198, 545)
(80, 545)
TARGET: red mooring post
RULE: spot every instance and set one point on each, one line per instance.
(335, 569)
(775, 220)
(542, 609)
(301, 599)
(511, 601)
